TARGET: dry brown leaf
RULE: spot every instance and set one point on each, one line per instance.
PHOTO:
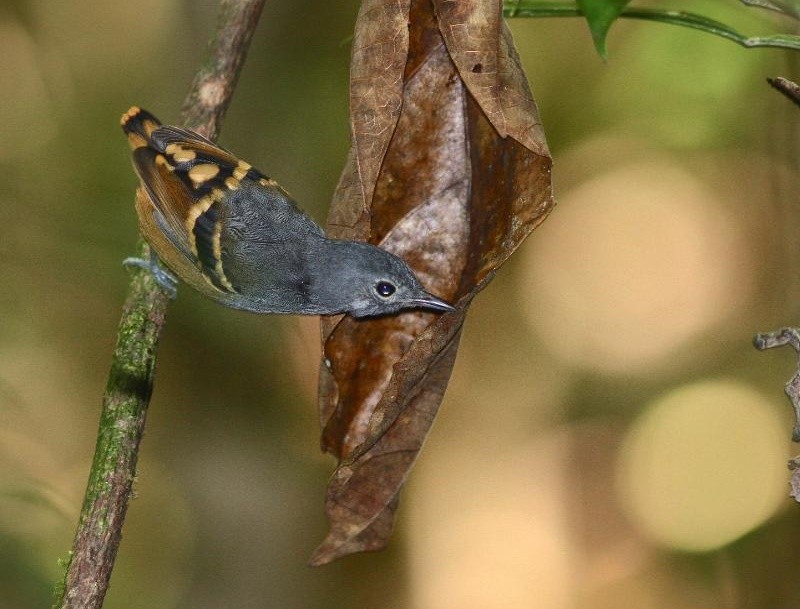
(450, 170)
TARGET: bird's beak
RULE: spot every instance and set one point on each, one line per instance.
(432, 303)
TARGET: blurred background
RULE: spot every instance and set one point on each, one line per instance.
(610, 438)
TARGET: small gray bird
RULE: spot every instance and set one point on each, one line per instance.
(235, 235)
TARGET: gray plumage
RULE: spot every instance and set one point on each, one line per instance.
(236, 236)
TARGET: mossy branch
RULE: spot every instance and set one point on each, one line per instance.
(130, 380)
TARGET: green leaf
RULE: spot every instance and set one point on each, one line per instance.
(600, 14)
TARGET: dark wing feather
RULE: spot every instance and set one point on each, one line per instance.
(187, 180)
(221, 225)
(168, 194)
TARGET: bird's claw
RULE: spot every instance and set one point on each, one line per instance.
(163, 277)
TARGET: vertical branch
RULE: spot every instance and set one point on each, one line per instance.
(130, 380)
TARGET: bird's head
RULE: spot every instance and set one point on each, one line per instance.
(366, 281)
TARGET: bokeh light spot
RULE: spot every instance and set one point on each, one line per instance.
(704, 465)
(633, 264)
(492, 533)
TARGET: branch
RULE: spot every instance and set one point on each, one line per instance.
(787, 336)
(779, 338)
(787, 87)
(130, 380)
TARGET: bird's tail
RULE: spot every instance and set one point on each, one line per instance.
(138, 124)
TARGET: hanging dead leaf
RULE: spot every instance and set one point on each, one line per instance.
(450, 170)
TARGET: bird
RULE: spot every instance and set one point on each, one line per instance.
(235, 235)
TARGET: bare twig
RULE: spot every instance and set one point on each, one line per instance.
(786, 336)
(130, 380)
(789, 88)
(794, 467)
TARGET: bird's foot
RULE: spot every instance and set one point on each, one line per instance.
(166, 280)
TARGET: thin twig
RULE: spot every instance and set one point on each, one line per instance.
(768, 340)
(130, 381)
(786, 336)
(789, 88)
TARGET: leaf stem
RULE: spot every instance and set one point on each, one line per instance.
(130, 380)
(542, 8)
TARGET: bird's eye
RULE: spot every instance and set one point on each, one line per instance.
(384, 288)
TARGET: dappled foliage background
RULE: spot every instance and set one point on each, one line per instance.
(609, 438)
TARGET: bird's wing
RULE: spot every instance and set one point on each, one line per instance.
(188, 180)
